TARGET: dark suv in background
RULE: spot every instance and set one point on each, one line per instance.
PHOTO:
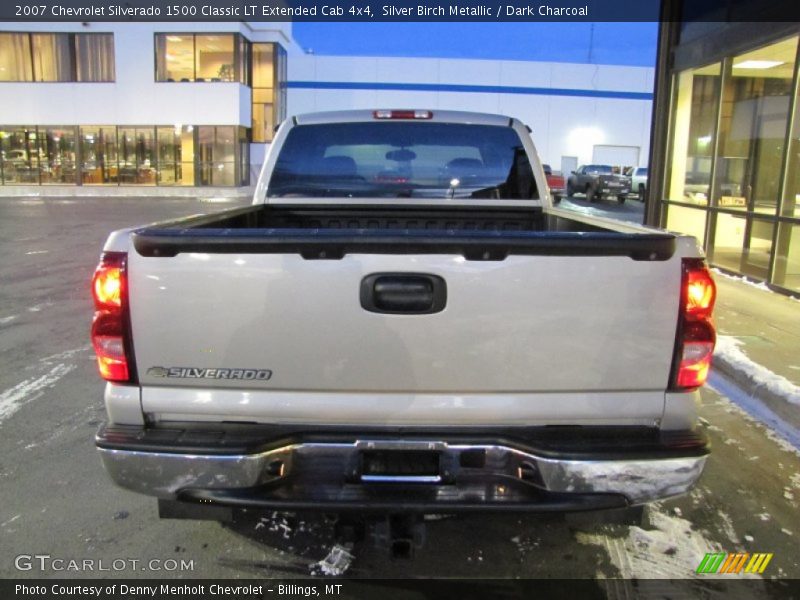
(598, 182)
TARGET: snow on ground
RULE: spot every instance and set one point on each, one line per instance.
(335, 564)
(728, 349)
(755, 412)
(669, 549)
(756, 284)
(12, 399)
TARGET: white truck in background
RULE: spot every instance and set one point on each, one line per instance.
(402, 322)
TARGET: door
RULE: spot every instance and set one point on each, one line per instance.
(616, 156)
(568, 165)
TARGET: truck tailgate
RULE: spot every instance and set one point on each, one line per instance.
(257, 326)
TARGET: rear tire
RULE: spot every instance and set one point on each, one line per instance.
(642, 191)
(556, 199)
(570, 190)
(621, 199)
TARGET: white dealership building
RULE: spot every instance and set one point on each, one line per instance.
(97, 106)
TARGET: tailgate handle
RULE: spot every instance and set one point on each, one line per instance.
(403, 293)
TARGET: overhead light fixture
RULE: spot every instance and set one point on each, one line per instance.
(174, 38)
(758, 64)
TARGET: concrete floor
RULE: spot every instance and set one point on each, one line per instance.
(55, 498)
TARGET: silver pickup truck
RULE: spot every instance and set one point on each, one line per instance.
(402, 321)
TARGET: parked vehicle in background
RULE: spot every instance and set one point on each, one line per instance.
(639, 182)
(598, 182)
(398, 324)
(556, 183)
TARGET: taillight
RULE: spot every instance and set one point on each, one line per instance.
(110, 325)
(700, 293)
(698, 346)
(696, 335)
(402, 114)
(107, 283)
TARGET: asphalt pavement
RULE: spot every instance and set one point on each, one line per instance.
(632, 210)
(55, 498)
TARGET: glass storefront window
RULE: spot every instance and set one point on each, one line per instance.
(217, 148)
(164, 155)
(169, 155)
(729, 156)
(756, 100)
(136, 156)
(3, 135)
(52, 58)
(683, 219)
(99, 155)
(205, 153)
(57, 155)
(268, 83)
(741, 243)
(693, 125)
(20, 155)
(15, 57)
(187, 156)
(244, 157)
(94, 57)
(263, 115)
(787, 247)
(214, 58)
(755, 111)
(787, 257)
(175, 155)
(790, 207)
(225, 144)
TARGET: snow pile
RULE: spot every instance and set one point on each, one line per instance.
(756, 413)
(756, 284)
(728, 351)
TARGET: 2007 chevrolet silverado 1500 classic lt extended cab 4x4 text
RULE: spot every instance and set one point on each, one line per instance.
(402, 321)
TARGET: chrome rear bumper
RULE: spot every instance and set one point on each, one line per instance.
(310, 473)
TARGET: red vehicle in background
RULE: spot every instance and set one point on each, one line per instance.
(556, 184)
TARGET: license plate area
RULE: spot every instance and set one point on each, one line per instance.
(400, 466)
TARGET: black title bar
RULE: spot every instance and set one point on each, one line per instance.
(387, 589)
(386, 10)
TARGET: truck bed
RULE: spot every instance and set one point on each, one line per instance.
(330, 232)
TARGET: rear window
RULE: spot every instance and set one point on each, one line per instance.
(603, 169)
(403, 160)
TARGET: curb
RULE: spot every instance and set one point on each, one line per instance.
(777, 403)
